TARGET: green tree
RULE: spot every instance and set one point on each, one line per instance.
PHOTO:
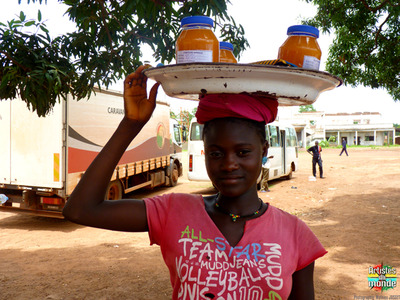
(103, 49)
(397, 126)
(366, 47)
(106, 45)
(306, 108)
(192, 114)
(184, 117)
(173, 115)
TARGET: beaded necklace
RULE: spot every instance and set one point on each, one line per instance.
(236, 216)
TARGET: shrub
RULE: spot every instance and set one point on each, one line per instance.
(324, 144)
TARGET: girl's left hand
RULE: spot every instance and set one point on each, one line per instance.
(137, 106)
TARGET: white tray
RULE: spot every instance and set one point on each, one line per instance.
(290, 86)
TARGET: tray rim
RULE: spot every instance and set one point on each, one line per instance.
(317, 73)
(302, 74)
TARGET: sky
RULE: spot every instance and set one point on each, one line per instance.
(265, 24)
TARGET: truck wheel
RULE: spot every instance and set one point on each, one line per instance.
(173, 177)
(114, 190)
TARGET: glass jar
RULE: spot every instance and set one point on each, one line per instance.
(226, 53)
(301, 47)
(197, 42)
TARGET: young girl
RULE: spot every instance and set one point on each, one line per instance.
(230, 245)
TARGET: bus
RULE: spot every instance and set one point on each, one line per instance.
(283, 147)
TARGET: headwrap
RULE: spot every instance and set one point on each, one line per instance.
(212, 106)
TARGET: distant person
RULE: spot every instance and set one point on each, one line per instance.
(344, 147)
(266, 164)
(315, 151)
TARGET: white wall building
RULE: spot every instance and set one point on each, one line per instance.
(361, 128)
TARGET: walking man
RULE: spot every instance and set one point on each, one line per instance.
(344, 147)
(315, 151)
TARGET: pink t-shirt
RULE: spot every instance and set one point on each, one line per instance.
(203, 265)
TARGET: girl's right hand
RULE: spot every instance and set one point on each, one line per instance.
(137, 106)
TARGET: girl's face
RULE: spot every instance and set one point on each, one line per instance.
(233, 155)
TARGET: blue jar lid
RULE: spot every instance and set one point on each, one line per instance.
(197, 20)
(226, 46)
(303, 30)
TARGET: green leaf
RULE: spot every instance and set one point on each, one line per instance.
(29, 23)
(43, 28)
(22, 16)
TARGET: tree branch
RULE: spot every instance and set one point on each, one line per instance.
(14, 61)
(161, 2)
(103, 18)
(380, 30)
(374, 10)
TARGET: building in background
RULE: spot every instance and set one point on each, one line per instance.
(367, 128)
(361, 128)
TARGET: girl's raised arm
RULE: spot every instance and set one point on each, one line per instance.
(86, 205)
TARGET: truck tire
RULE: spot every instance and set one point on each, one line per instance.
(173, 177)
(114, 190)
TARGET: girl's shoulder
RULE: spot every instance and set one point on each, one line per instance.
(280, 211)
(282, 217)
(173, 199)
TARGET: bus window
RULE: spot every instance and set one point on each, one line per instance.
(287, 136)
(273, 136)
(177, 134)
(196, 132)
(291, 138)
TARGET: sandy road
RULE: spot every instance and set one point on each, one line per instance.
(355, 212)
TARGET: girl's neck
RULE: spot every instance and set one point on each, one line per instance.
(241, 205)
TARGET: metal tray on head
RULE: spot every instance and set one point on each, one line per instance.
(290, 86)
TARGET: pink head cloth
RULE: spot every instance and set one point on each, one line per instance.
(213, 106)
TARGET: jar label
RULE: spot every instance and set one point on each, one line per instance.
(189, 56)
(311, 62)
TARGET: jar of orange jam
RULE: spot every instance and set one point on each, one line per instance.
(226, 53)
(197, 42)
(301, 47)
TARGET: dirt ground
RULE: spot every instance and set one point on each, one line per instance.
(355, 212)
